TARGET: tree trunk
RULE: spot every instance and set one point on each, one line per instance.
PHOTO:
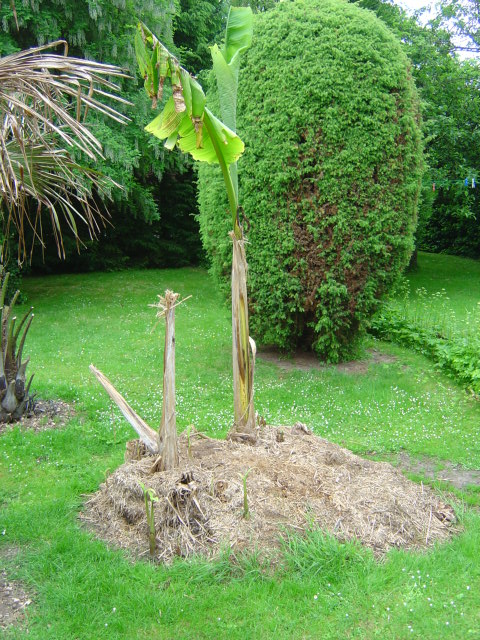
(167, 437)
(413, 264)
(244, 428)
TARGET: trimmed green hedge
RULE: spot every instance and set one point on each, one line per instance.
(330, 177)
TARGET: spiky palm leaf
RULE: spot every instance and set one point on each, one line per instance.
(44, 101)
(15, 395)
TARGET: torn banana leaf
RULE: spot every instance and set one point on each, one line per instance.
(184, 121)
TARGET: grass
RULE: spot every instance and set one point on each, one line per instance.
(84, 590)
(441, 324)
(458, 277)
(445, 292)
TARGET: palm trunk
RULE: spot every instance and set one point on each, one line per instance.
(243, 349)
(167, 437)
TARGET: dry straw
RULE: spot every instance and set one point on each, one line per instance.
(297, 481)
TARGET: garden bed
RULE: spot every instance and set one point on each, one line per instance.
(43, 415)
(296, 481)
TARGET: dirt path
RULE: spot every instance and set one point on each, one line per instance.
(306, 361)
(436, 469)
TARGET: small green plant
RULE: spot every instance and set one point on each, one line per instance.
(429, 326)
(150, 498)
(246, 511)
(15, 398)
(189, 430)
(185, 121)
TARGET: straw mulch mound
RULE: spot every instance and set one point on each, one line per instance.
(296, 480)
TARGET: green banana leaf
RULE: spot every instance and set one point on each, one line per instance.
(184, 120)
(238, 36)
(178, 128)
(226, 61)
(226, 64)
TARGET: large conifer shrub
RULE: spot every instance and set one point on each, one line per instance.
(330, 178)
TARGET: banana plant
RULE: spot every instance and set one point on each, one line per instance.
(15, 398)
(186, 121)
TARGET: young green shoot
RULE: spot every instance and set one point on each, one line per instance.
(150, 498)
(246, 511)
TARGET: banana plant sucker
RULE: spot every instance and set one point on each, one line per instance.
(185, 121)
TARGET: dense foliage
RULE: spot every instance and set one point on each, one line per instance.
(170, 241)
(452, 114)
(196, 24)
(457, 358)
(330, 177)
(153, 216)
(102, 31)
(449, 213)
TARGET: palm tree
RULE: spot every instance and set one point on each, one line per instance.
(44, 102)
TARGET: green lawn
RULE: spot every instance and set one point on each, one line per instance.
(84, 590)
(460, 277)
(446, 290)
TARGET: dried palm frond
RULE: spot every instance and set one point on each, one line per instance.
(44, 102)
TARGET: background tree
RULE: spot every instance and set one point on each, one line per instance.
(461, 18)
(449, 216)
(197, 24)
(154, 222)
